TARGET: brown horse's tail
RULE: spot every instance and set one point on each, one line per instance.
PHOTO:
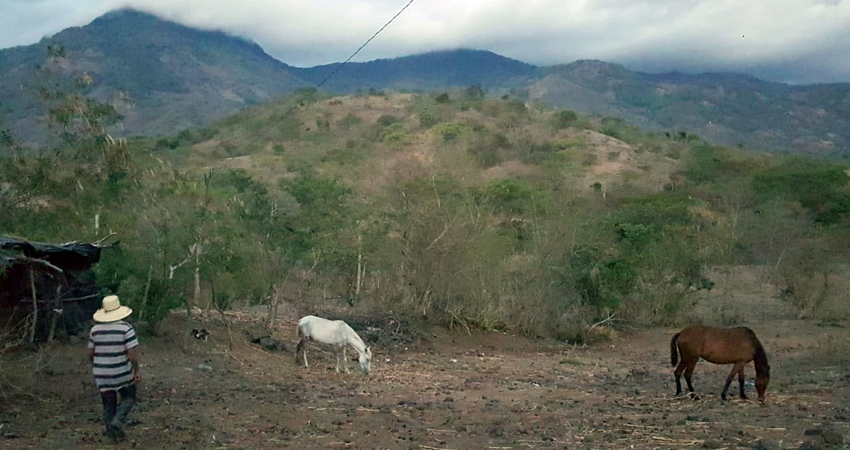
(674, 349)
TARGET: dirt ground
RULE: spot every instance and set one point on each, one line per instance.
(435, 390)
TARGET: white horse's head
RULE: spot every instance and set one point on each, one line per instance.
(366, 360)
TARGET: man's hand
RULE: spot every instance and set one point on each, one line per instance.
(133, 356)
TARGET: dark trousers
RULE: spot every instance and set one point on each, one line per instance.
(115, 413)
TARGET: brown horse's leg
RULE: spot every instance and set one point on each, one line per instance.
(689, 373)
(741, 382)
(678, 373)
(735, 369)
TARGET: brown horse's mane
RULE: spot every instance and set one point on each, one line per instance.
(760, 357)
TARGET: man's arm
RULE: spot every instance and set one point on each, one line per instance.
(133, 356)
(91, 355)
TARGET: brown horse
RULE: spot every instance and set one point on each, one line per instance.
(736, 346)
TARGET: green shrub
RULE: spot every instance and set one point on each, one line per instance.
(428, 119)
(452, 130)
(387, 120)
(491, 150)
(564, 119)
(819, 186)
(395, 138)
(350, 120)
(509, 196)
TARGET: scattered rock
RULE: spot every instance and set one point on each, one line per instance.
(497, 431)
(713, 443)
(763, 444)
(829, 435)
(832, 437)
(204, 368)
(201, 334)
(810, 446)
(269, 343)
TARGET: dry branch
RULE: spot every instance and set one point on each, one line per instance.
(42, 262)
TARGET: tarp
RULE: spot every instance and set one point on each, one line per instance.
(70, 256)
(59, 272)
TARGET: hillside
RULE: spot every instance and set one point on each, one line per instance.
(465, 211)
(726, 108)
(163, 77)
(166, 77)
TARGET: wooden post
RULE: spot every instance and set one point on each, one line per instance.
(34, 306)
(57, 307)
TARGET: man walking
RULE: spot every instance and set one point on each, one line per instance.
(114, 356)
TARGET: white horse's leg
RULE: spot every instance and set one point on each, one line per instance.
(305, 357)
(345, 360)
(336, 352)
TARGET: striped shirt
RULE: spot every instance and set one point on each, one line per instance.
(110, 341)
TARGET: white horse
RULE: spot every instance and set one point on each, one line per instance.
(333, 332)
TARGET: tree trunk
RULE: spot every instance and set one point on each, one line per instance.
(189, 323)
(197, 250)
(145, 298)
(278, 292)
(223, 317)
(359, 271)
(273, 309)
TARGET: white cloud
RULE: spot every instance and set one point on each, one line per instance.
(718, 35)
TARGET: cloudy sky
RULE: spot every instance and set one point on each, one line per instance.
(795, 41)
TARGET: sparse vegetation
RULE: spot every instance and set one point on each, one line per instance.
(462, 221)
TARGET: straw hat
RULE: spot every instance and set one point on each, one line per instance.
(112, 310)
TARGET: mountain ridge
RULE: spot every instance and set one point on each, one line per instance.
(180, 77)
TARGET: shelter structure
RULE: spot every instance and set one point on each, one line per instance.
(47, 289)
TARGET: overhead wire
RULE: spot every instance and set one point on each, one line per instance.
(364, 44)
(338, 67)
